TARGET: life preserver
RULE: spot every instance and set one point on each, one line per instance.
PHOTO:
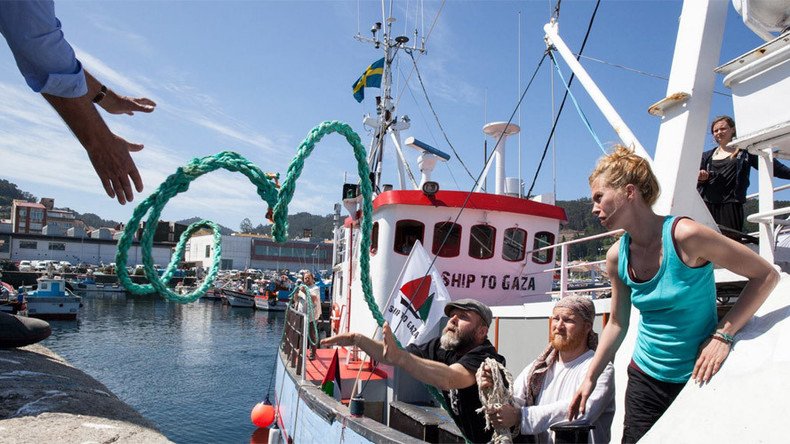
(335, 318)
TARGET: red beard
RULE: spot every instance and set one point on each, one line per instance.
(566, 343)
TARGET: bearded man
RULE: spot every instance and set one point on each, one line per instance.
(543, 391)
(449, 362)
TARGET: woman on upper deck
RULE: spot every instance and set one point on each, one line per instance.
(724, 175)
(664, 266)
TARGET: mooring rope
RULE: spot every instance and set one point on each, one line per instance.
(278, 199)
(498, 394)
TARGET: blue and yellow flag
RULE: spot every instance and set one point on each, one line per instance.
(371, 78)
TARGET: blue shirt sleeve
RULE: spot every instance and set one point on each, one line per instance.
(44, 57)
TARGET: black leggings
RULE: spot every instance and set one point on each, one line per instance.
(646, 399)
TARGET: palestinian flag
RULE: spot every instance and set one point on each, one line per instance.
(332, 377)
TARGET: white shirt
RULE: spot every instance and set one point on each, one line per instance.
(315, 299)
(560, 385)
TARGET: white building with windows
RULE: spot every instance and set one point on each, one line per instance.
(262, 252)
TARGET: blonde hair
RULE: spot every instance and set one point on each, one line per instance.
(623, 167)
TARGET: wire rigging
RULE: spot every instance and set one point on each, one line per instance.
(564, 98)
(438, 122)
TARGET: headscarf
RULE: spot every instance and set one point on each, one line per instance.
(582, 307)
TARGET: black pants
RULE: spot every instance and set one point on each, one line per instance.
(646, 399)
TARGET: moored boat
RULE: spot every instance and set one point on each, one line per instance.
(87, 284)
(52, 300)
(238, 298)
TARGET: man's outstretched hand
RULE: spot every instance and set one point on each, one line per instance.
(117, 104)
(114, 166)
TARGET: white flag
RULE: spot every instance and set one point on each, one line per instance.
(418, 304)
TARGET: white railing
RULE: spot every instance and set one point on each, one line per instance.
(564, 265)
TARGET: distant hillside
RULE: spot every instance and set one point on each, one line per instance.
(321, 226)
(9, 192)
(222, 229)
(96, 221)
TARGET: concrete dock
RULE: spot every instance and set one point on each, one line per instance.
(44, 399)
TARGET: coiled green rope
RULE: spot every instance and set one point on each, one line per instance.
(277, 199)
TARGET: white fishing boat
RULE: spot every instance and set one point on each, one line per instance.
(500, 248)
(238, 298)
(52, 300)
(85, 285)
(265, 303)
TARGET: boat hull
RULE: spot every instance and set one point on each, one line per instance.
(238, 299)
(53, 308)
(306, 414)
(262, 303)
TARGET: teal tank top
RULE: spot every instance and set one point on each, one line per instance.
(677, 311)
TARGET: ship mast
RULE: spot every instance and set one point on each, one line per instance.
(387, 123)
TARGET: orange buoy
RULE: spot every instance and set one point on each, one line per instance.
(262, 414)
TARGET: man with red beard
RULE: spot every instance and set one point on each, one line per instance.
(449, 362)
(544, 390)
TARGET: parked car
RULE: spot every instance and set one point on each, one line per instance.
(25, 266)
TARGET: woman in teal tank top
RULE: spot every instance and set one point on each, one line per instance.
(663, 265)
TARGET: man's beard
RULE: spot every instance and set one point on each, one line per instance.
(564, 343)
(453, 340)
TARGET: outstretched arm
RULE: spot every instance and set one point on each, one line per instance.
(438, 374)
(611, 337)
(117, 104)
(698, 243)
(108, 153)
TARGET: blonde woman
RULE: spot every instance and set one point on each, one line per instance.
(663, 265)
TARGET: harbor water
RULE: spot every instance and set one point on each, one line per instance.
(196, 370)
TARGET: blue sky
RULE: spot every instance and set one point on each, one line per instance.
(256, 76)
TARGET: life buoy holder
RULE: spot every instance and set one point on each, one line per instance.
(335, 318)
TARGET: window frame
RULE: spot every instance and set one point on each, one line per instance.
(491, 246)
(400, 227)
(551, 238)
(439, 238)
(523, 244)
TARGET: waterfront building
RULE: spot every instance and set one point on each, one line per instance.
(19, 246)
(27, 217)
(242, 251)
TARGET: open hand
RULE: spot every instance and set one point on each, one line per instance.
(114, 166)
(391, 350)
(712, 355)
(115, 104)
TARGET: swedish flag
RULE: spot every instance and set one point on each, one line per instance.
(371, 78)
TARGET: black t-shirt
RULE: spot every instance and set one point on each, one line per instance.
(471, 423)
(721, 184)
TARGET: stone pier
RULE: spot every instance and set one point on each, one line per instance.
(44, 399)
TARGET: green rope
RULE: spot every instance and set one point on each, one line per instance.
(277, 199)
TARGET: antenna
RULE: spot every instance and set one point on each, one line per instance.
(386, 120)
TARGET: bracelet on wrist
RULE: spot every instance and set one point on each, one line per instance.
(724, 337)
(100, 95)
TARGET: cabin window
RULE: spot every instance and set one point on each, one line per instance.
(374, 238)
(481, 241)
(28, 245)
(446, 239)
(406, 233)
(208, 250)
(543, 239)
(514, 244)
